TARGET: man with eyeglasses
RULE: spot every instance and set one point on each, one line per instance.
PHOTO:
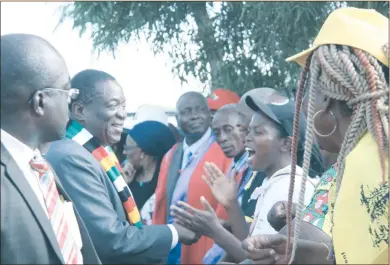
(38, 221)
(90, 171)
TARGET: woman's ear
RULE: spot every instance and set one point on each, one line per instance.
(286, 144)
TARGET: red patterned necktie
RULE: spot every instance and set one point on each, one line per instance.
(55, 210)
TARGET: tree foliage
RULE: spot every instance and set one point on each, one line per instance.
(237, 45)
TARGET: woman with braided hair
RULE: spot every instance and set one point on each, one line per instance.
(346, 73)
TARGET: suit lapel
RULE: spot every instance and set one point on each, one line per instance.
(173, 173)
(17, 177)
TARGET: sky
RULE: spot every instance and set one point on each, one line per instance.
(146, 78)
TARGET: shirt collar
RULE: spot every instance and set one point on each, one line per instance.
(195, 146)
(21, 153)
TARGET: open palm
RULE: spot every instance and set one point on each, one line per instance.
(223, 189)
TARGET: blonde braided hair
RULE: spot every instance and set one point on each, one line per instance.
(355, 77)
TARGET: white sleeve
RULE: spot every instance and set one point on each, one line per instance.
(279, 192)
(175, 236)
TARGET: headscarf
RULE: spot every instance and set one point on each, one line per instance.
(153, 137)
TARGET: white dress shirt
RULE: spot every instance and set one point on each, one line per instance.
(22, 154)
(194, 148)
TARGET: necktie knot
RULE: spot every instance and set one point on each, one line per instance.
(189, 159)
(39, 164)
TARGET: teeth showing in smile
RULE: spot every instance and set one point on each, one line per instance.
(250, 151)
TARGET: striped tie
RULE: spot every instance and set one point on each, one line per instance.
(55, 210)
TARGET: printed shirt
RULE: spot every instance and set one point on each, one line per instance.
(320, 209)
(360, 225)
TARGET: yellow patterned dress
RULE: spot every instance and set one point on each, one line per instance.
(361, 225)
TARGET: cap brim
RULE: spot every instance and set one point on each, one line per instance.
(301, 57)
(259, 107)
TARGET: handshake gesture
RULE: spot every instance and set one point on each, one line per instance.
(186, 236)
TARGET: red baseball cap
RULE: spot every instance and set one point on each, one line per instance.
(221, 97)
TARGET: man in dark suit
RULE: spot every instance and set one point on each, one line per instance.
(38, 221)
(86, 168)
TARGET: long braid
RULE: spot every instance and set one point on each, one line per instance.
(294, 148)
(314, 76)
(381, 104)
(375, 115)
(356, 78)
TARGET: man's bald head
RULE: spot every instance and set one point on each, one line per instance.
(28, 63)
(35, 87)
(193, 95)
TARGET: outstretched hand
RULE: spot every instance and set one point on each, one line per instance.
(186, 236)
(204, 222)
(224, 189)
(266, 249)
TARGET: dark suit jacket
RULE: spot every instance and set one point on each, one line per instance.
(27, 236)
(98, 203)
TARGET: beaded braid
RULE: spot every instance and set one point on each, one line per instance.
(353, 76)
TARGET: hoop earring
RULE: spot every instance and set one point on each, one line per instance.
(314, 124)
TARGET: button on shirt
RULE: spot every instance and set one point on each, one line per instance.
(22, 154)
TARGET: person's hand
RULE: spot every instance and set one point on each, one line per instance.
(128, 172)
(204, 222)
(277, 216)
(267, 249)
(223, 189)
(186, 236)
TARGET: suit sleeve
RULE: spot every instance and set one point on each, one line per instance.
(115, 240)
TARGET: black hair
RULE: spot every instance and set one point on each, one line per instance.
(86, 80)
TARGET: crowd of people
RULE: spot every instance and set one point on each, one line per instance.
(256, 179)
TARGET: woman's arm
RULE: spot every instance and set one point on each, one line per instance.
(307, 252)
(230, 244)
(238, 224)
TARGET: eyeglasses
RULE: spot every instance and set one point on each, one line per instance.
(72, 93)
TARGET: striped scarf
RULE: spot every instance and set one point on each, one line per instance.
(109, 162)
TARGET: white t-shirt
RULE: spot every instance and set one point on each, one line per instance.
(147, 210)
(272, 190)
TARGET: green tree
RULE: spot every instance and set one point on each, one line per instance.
(236, 45)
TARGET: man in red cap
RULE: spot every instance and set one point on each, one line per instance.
(221, 97)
